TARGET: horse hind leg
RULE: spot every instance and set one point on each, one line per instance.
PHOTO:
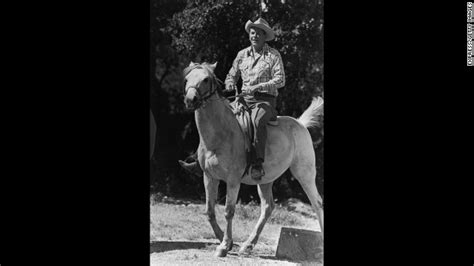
(305, 172)
(267, 206)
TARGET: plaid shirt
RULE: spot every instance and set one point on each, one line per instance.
(265, 69)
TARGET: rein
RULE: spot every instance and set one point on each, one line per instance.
(203, 100)
(238, 95)
(211, 92)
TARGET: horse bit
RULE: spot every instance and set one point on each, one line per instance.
(203, 99)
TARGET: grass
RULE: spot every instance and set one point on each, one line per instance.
(179, 220)
(280, 215)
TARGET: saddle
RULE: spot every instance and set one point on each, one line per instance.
(244, 116)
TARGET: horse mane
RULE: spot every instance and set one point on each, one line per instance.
(206, 66)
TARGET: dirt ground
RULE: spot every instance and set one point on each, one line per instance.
(187, 252)
(181, 235)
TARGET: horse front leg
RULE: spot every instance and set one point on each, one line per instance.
(211, 186)
(267, 205)
(231, 199)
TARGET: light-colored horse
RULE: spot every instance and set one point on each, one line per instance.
(222, 156)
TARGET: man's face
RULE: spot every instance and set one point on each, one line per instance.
(257, 37)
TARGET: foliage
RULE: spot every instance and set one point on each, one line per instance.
(211, 31)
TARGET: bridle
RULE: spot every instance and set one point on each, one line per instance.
(202, 100)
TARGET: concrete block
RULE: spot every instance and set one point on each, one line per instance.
(300, 245)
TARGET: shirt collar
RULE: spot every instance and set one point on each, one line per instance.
(264, 50)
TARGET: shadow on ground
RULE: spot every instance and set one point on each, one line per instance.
(163, 246)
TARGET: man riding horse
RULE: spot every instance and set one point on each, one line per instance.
(261, 69)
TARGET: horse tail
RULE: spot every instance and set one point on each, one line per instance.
(312, 116)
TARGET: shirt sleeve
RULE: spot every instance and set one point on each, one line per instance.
(234, 72)
(278, 77)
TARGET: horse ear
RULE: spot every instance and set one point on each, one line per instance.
(192, 63)
(213, 66)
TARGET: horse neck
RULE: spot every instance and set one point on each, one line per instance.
(215, 122)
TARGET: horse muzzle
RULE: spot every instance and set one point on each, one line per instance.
(191, 99)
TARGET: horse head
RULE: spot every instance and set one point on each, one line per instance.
(201, 84)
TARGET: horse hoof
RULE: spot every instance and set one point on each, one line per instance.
(221, 252)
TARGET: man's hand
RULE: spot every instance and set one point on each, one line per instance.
(253, 89)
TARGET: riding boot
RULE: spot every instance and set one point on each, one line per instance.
(257, 171)
(191, 165)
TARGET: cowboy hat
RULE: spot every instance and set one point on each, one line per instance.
(261, 24)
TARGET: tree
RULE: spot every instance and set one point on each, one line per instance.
(213, 31)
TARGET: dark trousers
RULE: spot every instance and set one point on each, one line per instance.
(263, 110)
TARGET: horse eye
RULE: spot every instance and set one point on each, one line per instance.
(205, 80)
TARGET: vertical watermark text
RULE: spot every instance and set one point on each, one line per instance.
(470, 28)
